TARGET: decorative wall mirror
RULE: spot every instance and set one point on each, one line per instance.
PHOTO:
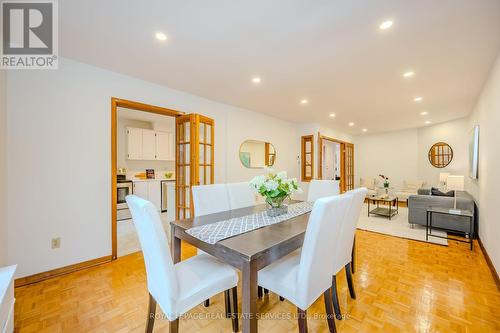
(440, 155)
(256, 154)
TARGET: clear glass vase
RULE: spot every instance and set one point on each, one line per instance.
(276, 206)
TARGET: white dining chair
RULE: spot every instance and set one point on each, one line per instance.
(303, 276)
(322, 188)
(211, 199)
(240, 195)
(180, 287)
(343, 254)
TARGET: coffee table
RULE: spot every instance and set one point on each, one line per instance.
(389, 208)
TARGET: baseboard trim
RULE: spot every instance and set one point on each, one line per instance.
(27, 280)
(490, 263)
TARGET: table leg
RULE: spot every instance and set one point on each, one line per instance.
(249, 297)
(471, 229)
(427, 227)
(175, 246)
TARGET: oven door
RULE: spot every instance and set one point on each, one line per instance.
(122, 190)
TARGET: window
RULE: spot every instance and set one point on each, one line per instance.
(307, 158)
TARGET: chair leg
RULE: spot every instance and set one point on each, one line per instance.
(266, 291)
(234, 312)
(335, 298)
(173, 326)
(207, 303)
(353, 255)
(329, 311)
(227, 304)
(350, 284)
(302, 318)
(259, 292)
(151, 314)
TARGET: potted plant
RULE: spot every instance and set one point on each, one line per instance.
(275, 187)
(386, 181)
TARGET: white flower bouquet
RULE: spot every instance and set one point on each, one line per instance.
(275, 187)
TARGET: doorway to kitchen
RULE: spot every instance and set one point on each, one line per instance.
(151, 157)
(336, 161)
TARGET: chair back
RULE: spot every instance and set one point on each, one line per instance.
(315, 268)
(210, 199)
(342, 254)
(240, 195)
(160, 271)
(322, 188)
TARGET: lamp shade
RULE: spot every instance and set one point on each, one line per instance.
(455, 183)
(443, 176)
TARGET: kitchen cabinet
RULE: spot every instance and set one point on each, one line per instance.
(7, 299)
(149, 190)
(150, 145)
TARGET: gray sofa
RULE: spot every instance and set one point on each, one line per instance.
(418, 204)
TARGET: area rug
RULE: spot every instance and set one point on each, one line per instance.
(398, 226)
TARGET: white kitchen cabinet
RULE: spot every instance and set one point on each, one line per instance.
(141, 190)
(134, 143)
(150, 145)
(149, 190)
(154, 193)
(163, 146)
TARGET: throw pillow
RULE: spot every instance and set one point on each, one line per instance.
(437, 192)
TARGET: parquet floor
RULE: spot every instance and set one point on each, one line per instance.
(402, 286)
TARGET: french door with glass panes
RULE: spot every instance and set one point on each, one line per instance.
(194, 146)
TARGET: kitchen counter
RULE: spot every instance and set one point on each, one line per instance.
(152, 180)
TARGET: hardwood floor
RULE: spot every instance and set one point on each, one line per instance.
(401, 286)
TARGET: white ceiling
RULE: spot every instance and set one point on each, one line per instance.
(330, 52)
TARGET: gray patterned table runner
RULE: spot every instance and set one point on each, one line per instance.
(212, 233)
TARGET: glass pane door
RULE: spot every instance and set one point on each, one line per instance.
(195, 159)
(349, 166)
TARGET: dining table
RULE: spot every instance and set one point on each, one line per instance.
(248, 252)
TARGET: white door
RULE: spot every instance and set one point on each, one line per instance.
(154, 194)
(134, 143)
(163, 146)
(148, 144)
(141, 189)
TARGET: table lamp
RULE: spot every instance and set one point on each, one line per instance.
(443, 177)
(455, 183)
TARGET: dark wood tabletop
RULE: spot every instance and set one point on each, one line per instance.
(248, 252)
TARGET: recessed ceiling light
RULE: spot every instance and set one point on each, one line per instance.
(332, 115)
(409, 74)
(304, 101)
(256, 79)
(351, 124)
(386, 25)
(418, 99)
(427, 122)
(161, 36)
(424, 113)
(365, 130)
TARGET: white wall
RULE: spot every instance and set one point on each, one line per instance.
(59, 164)
(486, 188)
(3, 169)
(403, 155)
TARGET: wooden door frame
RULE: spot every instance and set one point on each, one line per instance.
(137, 106)
(342, 157)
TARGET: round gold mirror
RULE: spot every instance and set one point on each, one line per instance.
(440, 155)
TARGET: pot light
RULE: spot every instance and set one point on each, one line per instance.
(161, 36)
(304, 101)
(424, 113)
(386, 25)
(427, 122)
(365, 130)
(409, 74)
(351, 124)
(256, 79)
(332, 115)
(418, 99)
